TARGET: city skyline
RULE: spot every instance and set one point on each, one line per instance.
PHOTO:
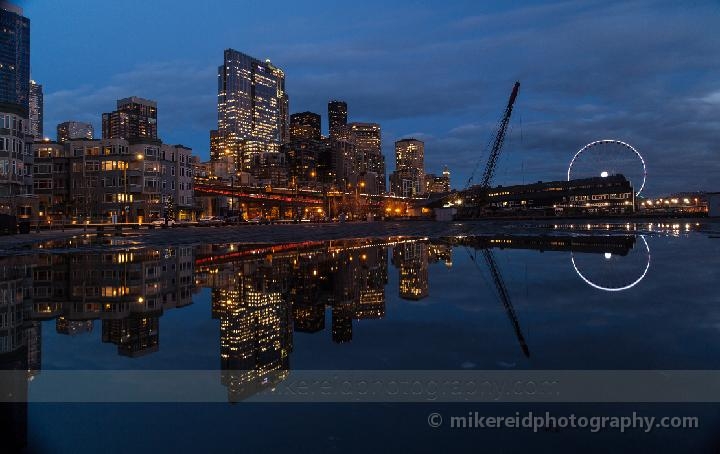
(657, 90)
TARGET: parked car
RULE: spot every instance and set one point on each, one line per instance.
(233, 220)
(211, 220)
(161, 221)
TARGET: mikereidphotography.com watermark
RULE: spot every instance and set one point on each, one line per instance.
(384, 386)
(547, 421)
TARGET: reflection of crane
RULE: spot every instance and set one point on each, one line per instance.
(497, 143)
(503, 294)
(505, 298)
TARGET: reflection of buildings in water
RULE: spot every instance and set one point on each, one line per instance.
(359, 275)
(609, 262)
(128, 289)
(254, 297)
(19, 350)
(73, 327)
(308, 292)
(264, 296)
(440, 253)
(255, 330)
(13, 400)
(15, 297)
(411, 259)
(346, 294)
(373, 277)
(342, 318)
(135, 335)
(34, 347)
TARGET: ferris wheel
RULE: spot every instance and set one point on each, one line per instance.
(607, 157)
(611, 272)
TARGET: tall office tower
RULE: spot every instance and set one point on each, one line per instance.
(410, 154)
(134, 119)
(15, 156)
(35, 128)
(305, 125)
(14, 58)
(73, 130)
(408, 180)
(337, 118)
(252, 108)
(367, 139)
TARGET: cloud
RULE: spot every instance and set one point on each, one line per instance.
(645, 72)
(184, 92)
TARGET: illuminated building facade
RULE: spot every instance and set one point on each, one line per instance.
(113, 180)
(337, 119)
(408, 179)
(344, 163)
(15, 156)
(303, 158)
(135, 119)
(253, 109)
(367, 140)
(612, 194)
(437, 184)
(72, 130)
(35, 128)
(14, 59)
(305, 126)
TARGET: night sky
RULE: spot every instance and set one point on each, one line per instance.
(644, 72)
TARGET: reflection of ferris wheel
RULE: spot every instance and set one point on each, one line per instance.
(613, 273)
(607, 157)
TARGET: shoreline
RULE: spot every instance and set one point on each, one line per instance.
(57, 240)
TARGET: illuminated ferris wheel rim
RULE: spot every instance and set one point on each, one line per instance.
(619, 142)
(615, 289)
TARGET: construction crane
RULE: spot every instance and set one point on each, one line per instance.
(498, 142)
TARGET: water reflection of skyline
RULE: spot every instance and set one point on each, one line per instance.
(261, 295)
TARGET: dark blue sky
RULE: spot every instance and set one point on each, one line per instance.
(640, 71)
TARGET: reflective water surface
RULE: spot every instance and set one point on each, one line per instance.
(255, 313)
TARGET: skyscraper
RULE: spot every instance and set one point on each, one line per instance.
(408, 180)
(35, 128)
(15, 157)
(305, 125)
(134, 119)
(252, 108)
(72, 130)
(367, 139)
(14, 58)
(337, 118)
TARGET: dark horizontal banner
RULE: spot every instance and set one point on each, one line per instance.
(360, 386)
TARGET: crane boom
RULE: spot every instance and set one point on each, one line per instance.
(499, 139)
